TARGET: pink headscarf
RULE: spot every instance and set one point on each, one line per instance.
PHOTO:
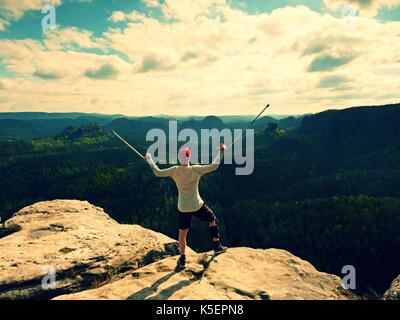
(184, 156)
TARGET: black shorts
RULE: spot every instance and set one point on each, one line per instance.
(204, 214)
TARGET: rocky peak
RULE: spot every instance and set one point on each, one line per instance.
(94, 257)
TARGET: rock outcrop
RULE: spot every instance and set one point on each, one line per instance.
(94, 257)
(239, 273)
(77, 240)
(394, 291)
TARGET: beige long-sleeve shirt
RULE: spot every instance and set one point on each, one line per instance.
(187, 181)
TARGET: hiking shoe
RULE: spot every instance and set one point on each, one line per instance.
(182, 262)
(219, 248)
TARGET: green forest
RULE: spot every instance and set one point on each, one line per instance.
(327, 188)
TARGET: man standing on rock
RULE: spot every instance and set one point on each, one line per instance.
(190, 203)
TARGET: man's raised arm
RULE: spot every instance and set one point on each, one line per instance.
(161, 173)
(203, 169)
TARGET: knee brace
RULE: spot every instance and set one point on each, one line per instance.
(214, 231)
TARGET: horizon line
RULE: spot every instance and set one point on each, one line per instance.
(203, 115)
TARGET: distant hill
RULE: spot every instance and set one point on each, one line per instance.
(370, 132)
(360, 121)
(260, 124)
(87, 130)
(35, 128)
(54, 115)
(137, 127)
(346, 152)
(367, 121)
(41, 128)
(290, 122)
(209, 122)
(32, 125)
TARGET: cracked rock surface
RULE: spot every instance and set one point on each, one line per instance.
(94, 257)
(239, 273)
(79, 241)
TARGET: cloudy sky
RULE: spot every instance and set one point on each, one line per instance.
(149, 57)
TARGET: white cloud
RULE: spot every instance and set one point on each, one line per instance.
(32, 58)
(218, 60)
(136, 16)
(188, 10)
(68, 37)
(16, 9)
(151, 3)
(365, 7)
(12, 10)
(119, 16)
(3, 24)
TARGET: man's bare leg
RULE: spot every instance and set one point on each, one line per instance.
(182, 246)
(182, 240)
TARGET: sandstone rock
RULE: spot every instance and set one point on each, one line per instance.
(239, 273)
(80, 241)
(394, 292)
(94, 257)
